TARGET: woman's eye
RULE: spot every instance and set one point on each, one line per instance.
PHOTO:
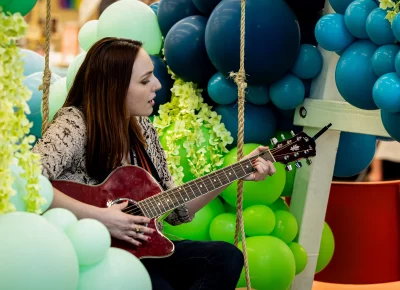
(145, 82)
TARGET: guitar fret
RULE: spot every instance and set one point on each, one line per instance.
(212, 187)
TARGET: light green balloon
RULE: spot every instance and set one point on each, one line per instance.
(35, 254)
(259, 220)
(57, 97)
(133, 20)
(286, 227)
(60, 217)
(300, 256)
(88, 34)
(271, 263)
(120, 270)
(73, 69)
(223, 227)
(327, 248)
(91, 240)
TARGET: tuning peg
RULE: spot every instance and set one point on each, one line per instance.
(308, 161)
(292, 133)
(274, 141)
(298, 164)
(283, 137)
(288, 167)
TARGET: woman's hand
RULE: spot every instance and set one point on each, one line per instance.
(124, 226)
(263, 167)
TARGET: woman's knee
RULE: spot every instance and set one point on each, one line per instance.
(230, 255)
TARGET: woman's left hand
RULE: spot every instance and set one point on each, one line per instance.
(264, 168)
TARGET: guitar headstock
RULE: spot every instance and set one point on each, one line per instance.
(298, 147)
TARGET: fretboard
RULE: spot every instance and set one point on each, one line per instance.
(170, 199)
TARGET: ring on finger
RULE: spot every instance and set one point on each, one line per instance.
(138, 228)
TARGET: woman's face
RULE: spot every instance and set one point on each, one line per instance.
(143, 86)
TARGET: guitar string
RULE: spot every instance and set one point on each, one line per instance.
(175, 190)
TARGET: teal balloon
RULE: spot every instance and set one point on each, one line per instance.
(308, 63)
(356, 15)
(383, 60)
(340, 6)
(88, 34)
(15, 6)
(133, 20)
(60, 217)
(397, 62)
(257, 95)
(379, 28)
(120, 270)
(288, 92)
(222, 90)
(391, 123)
(91, 240)
(73, 69)
(33, 62)
(396, 27)
(386, 92)
(35, 254)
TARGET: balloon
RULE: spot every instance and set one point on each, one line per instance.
(383, 60)
(354, 75)
(161, 73)
(287, 93)
(4, 2)
(257, 95)
(308, 63)
(327, 248)
(378, 27)
(271, 263)
(391, 123)
(279, 204)
(397, 63)
(340, 6)
(35, 254)
(60, 217)
(185, 50)
(132, 20)
(268, 57)
(351, 158)
(300, 256)
(259, 220)
(396, 27)
(154, 6)
(33, 62)
(73, 69)
(386, 92)
(57, 97)
(18, 6)
(222, 90)
(222, 228)
(356, 15)
(332, 34)
(88, 34)
(286, 226)
(118, 271)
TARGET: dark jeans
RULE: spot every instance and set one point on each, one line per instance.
(197, 266)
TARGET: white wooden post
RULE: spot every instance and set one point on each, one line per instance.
(312, 184)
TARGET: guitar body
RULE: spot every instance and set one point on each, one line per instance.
(130, 183)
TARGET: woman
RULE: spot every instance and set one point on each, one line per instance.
(104, 124)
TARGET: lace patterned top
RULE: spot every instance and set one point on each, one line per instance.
(63, 153)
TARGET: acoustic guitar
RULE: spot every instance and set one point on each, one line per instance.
(146, 198)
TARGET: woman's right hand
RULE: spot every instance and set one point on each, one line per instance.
(124, 226)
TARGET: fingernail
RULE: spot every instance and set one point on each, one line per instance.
(149, 239)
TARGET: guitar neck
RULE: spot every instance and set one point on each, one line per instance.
(170, 199)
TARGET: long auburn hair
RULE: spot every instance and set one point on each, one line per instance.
(99, 90)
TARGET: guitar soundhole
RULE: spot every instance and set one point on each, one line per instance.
(132, 207)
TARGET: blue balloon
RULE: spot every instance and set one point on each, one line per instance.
(386, 93)
(396, 27)
(154, 6)
(272, 39)
(356, 15)
(185, 51)
(391, 123)
(383, 59)
(171, 11)
(378, 27)
(33, 62)
(206, 6)
(161, 73)
(221, 90)
(259, 127)
(355, 153)
(287, 93)
(308, 63)
(340, 6)
(332, 34)
(257, 95)
(354, 75)
(397, 63)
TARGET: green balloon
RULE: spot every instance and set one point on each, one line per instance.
(73, 69)
(262, 192)
(259, 220)
(57, 97)
(60, 217)
(133, 20)
(15, 6)
(271, 263)
(35, 254)
(286, 226)
(228, 207)
(327, 248)
(88, 34)
(199, 228)
(300, 256)
(119, 270)
(91, 240)
(279, 204)
(223, 227)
